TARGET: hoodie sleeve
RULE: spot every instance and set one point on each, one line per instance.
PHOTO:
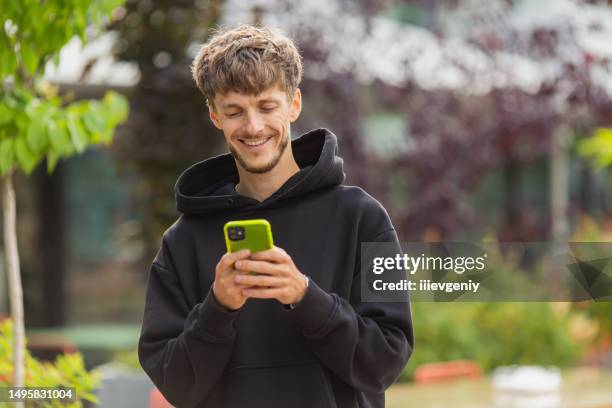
(367, 344)
(183, 350)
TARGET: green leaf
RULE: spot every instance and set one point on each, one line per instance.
(59, 137)
(52, 159)
(117, 105)
(37, 136)
(29, 58)
(26, 159)
(8, 63)
(6, 154)
(95, 118)
(22, 95)
(77, 132)
(21, 121)
(6, 113)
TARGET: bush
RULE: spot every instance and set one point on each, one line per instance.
(495, 334)
(67, 370)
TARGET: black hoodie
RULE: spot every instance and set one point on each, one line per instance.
(331, 350)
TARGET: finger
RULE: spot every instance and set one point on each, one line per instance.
(274, 254)
(261, 293)
(231, 273)
(264, 267)
(260, 280)
(228, 259)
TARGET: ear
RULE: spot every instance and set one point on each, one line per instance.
(296, 105)
(214, 117)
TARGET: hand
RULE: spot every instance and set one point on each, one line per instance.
(225, 289)
(279, 278)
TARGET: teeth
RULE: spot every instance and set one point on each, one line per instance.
(256, 143)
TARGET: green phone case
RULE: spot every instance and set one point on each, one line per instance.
(257, 235)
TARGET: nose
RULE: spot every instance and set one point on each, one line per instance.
(255, 123)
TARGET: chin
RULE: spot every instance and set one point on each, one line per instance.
(262, 166)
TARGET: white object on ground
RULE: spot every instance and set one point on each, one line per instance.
(527, 386)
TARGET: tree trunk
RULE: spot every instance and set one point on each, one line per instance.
(14, 280)
(559, 184)
(559, 207)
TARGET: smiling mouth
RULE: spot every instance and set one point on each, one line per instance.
(254, 143)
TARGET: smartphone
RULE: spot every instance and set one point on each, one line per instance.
(255, 235)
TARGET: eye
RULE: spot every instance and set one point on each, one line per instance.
(267, 109)
(232, 115)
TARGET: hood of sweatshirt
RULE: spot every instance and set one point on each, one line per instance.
(208, 185)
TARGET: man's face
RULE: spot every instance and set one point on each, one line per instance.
(257, 127)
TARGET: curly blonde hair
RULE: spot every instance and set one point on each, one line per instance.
(246, 59)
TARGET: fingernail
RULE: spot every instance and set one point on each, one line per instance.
(238, 264)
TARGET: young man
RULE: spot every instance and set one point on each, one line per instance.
(296, 334)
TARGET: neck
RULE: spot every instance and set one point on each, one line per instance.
(262, 186)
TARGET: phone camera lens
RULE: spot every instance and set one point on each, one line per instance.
(236, 233)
